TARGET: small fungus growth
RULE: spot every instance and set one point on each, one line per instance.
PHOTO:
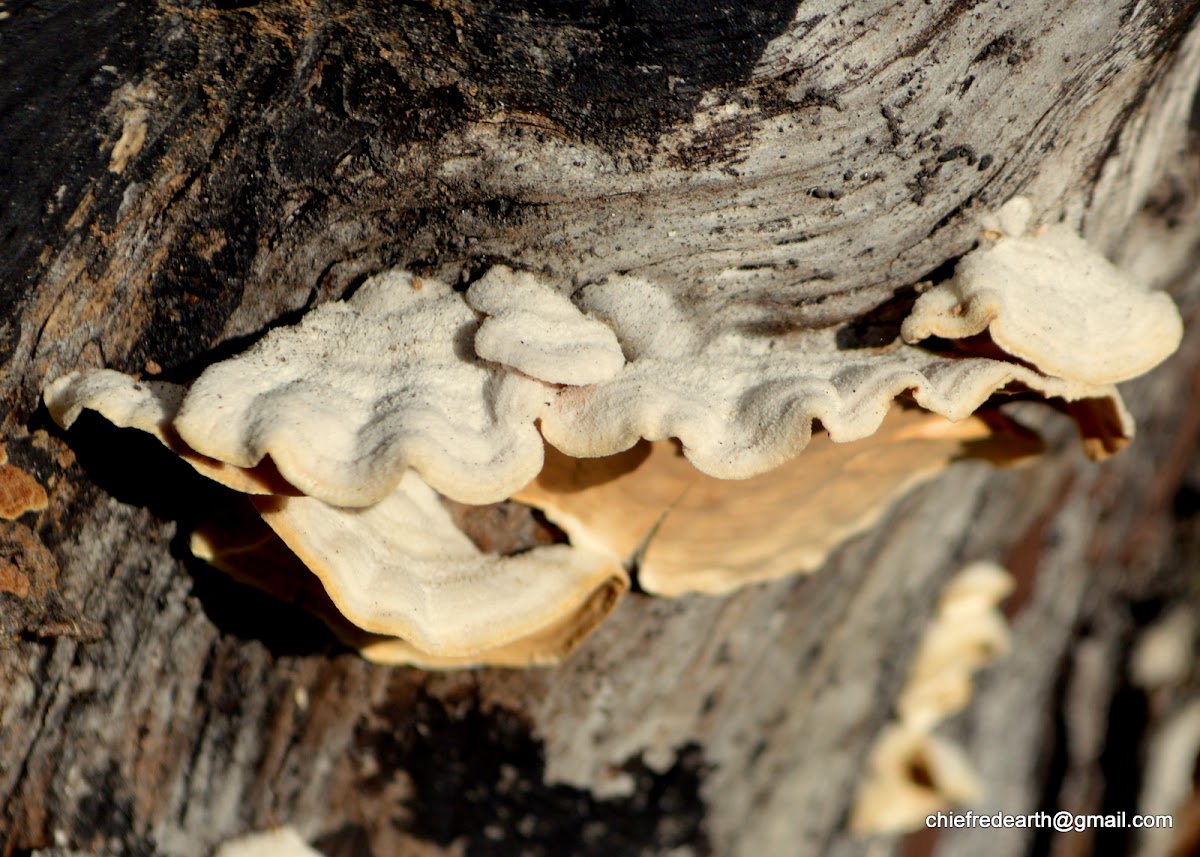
(535, 329)
(664, 437)
(912, 772)
(280, 842)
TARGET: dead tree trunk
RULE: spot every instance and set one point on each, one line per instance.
(180, 176)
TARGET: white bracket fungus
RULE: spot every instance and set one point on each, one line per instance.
(151, 406)
(742, 404)
(412, 586)
(362, 390)
(1048, 298)
(254, 554)
(635, 407)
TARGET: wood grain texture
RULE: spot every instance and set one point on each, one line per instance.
(184, 175)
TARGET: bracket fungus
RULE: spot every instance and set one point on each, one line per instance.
(663, 435)
(1047, 298)
(364, 389)
(411, 586)
(401, 568)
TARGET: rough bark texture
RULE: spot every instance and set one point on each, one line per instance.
(180, 176)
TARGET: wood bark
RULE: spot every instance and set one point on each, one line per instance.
(181, 176)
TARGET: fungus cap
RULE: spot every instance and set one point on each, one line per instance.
(1052, 300)
(151, 406)
(911, 775)
(535, 329)
(362, 390)
(402, 569)
(743, 404)
(419, 590)
(252, 553)
(346, 427)
(280, 842)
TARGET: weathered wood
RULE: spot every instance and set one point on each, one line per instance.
(181, 176)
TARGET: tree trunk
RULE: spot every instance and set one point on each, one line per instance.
(182, 176)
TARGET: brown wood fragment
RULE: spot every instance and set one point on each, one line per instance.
(19, 493)
(30, 605)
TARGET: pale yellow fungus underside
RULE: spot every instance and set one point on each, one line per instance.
(252, 553)
(689, 532)
(401, 568)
